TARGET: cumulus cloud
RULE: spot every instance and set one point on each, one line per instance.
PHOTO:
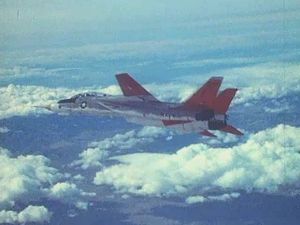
(4, 130)
(267, 162)
(70, 193)
(24, 177)
(31, 214)
(200, 199)
(78, 177)
(99, 151)
(224, 138)
(30, 177)
(265, 80)
(259, 81)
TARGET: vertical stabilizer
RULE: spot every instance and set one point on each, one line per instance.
(223, 100)
(206, 95)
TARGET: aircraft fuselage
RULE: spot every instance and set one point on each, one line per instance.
(203, 111)
(144, 111)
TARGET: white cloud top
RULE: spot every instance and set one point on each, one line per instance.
(99, 151)
(4, 130)
(24, 177)
(70, 193)
(30, 177)
(201, 199)
(31, 214)
(282, 79)
(268, 161)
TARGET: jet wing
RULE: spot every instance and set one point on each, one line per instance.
(232, 130)
(131, 87)
(207, 133)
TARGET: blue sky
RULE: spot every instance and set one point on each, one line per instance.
(59, 23)
(91, 170)
(83, 44)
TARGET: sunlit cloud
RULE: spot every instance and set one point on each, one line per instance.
(97, 152)
(200, 199)
(264, 81)
(266, 162)
(27, 178)
(31, 214)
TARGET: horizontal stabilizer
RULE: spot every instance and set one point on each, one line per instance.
(223, 100)
(206, 95)
(175, 122)
(131, 87)
(232, 130)
(48, 107)
(207, 133)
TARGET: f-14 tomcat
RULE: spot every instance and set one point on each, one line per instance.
(205, 110)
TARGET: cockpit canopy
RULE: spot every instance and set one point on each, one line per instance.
(82, 95)
(89, 94)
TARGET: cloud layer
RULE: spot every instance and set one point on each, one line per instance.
(264, 81)
(69, 193)
(4, 130)
(23, 177)
(267, 162)
(31, 214)
(201, 199)
(99, 151)
(27, 178)
(22, 100)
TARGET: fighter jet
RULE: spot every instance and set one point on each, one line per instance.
(204, 111)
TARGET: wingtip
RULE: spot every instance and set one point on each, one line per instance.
(121, 74)
(48, 107)
(232, 130)
(217, 78)
(207, 133)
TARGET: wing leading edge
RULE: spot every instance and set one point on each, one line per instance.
(131, 87)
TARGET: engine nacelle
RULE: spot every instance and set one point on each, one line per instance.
(216, 124)
(205, 114)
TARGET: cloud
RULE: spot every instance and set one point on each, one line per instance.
(31, 214)
(23, 177)
(266, 80)
(269, 80)
(70, 193)
(22, 100)
(24, 71)
(30, 177)
(99, 151)
(78, 177)
(201, 199)
(278, 107)
(4, 130)
(261, 81)
(267, 162)
(224, 138)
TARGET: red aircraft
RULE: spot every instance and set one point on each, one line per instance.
(205, 110)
